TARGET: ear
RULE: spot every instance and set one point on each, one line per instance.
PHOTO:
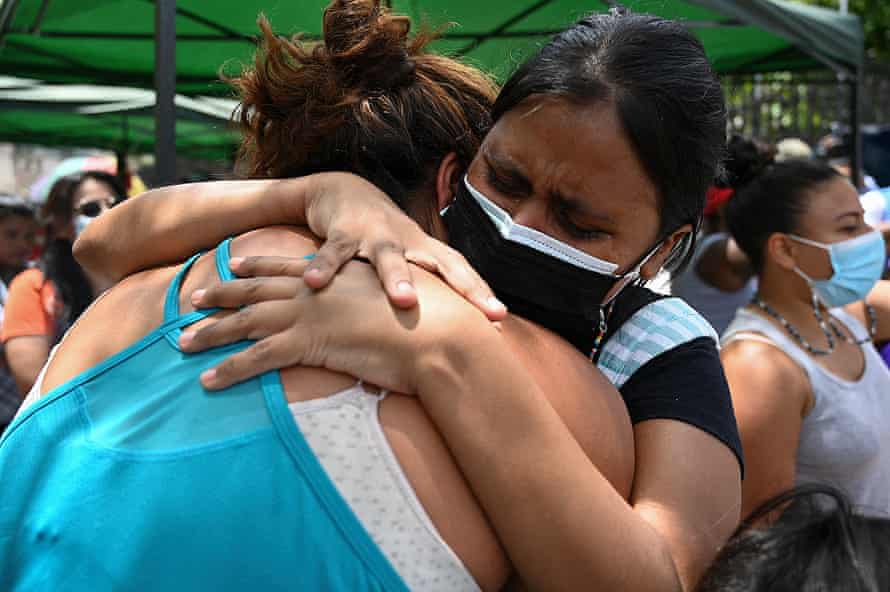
(656, 262)
(447, 178)
(782, 250)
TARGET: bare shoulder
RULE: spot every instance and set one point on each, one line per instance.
(763, 376)
(119, 317)
(591, 406)
(760, 356)
(279, 241)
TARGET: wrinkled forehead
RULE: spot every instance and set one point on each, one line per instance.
(572, 149)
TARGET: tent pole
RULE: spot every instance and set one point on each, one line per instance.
(7, 12)
(856, 129)
(165, 90)
(120, 154)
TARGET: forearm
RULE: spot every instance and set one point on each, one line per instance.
(169, 224)
(562, 523)
(26, 361)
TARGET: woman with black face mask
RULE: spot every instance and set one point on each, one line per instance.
(590, 180)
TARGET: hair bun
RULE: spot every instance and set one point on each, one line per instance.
(367, 46)
(745, 160)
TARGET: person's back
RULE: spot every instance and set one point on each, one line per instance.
(166, 470)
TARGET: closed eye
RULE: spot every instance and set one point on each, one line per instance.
(578, 231)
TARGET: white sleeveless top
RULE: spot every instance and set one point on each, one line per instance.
(717, 306)
(345, 433)
(845, 439)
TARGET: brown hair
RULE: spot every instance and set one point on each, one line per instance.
(367, 99)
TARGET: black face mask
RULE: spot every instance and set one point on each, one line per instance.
(562, 297)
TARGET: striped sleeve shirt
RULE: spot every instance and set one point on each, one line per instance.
(665, 362)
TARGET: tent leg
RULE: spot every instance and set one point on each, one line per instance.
(165, 91)
(123, 174)
(856, 130)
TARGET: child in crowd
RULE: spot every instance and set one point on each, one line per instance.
(17, 227)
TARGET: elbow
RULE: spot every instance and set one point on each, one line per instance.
(86, 251)
(92, 255)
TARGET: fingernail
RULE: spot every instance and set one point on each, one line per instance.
(186, 338)
(208, 376)
(495, 305)
(197, 295)
(310, 256)
(235, 262)
(404, 287)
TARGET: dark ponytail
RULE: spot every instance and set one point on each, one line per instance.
(774, 200)
(745, 160)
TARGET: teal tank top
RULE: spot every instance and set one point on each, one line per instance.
(132, 477)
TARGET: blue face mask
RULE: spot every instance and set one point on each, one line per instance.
(80, 223)
(857, 264)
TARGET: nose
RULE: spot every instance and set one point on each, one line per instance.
(531, 213)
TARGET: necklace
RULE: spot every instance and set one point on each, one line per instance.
(829, 329)
(601, 329)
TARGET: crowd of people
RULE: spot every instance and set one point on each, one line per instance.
(416, 349)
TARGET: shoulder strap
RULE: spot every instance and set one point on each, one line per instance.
(171, 303)
(223, 256)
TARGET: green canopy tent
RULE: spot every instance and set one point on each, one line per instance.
(113, 118)
(113, 41)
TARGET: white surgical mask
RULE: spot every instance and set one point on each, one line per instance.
(546, 244)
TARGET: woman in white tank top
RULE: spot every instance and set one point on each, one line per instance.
(811, 393)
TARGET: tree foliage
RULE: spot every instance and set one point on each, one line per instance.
(875, 15)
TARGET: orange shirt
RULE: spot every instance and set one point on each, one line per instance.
(32, 307)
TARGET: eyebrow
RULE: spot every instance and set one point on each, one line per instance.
(506, 167)
(846, 214)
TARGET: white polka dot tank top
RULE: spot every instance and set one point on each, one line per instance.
(345, 433)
